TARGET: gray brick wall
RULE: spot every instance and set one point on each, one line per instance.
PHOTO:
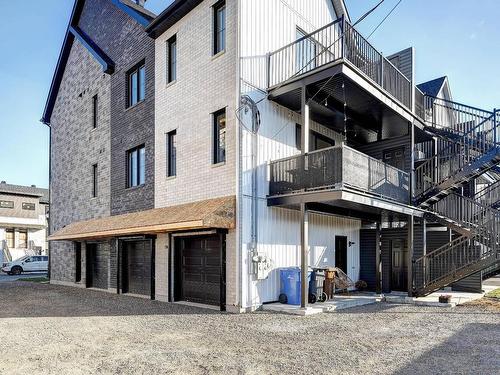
(125, 41)
(76, 146)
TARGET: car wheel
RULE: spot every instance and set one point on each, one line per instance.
(16, 270)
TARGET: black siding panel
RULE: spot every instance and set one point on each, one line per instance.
(368, 266)
(376, 149)
(472, 283)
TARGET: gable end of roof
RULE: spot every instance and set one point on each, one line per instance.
(143, 17)
(433, 87)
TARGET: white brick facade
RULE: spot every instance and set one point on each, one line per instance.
(205, 84)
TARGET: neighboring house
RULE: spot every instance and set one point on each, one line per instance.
(273, 135)
(24, 212)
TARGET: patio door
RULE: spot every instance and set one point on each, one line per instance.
(399, 265)
(341, 253)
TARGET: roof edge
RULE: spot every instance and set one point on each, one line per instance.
(140, 17)
(179, 8)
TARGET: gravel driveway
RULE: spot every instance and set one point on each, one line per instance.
(62, 330)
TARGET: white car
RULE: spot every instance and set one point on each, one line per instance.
(28, 263)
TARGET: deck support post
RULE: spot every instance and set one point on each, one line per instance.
(410, 255)
(305, 121)
(378, 285)
(304, 250)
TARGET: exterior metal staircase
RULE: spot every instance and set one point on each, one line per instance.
(467, 147)
(476, 248)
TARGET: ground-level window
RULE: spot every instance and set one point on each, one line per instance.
(136, 163)
(23, 239)
(136, 81)
(9, 237)
(219, 129)
(172, 153)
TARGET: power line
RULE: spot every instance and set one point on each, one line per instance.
(388, 14)
(368, 13)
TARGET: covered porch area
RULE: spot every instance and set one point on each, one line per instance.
(385, 244)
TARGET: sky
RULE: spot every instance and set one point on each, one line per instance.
(457, 38)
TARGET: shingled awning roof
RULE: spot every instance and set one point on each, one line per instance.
(212, 213)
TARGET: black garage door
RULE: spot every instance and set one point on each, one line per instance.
(137, 265)
(200, 269)
(97, 265)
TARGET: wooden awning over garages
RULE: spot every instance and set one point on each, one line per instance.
(212, 213)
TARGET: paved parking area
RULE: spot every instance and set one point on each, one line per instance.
(61, 330)
(9, 278)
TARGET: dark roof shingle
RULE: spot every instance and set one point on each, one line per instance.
(433, 87)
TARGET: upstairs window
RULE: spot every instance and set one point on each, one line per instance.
(136, 164)
(219, 27)
(219, 129)
(95, 108)
(28, 206)
(172, 154)
(172, 59)
(6, 204)
(94, 180)
(136, 79)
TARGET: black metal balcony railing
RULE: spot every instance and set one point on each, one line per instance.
(335, 168)
(333, 42)
(419, 103)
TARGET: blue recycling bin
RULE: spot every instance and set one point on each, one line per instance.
(290, 285)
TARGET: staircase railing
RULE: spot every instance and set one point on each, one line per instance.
(468, 142)
(457, 259)
(490, 195)
(467, 212)
(456, 117)
(461, 256)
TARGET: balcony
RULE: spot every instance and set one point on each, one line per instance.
(336, 168)
(335, 43)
